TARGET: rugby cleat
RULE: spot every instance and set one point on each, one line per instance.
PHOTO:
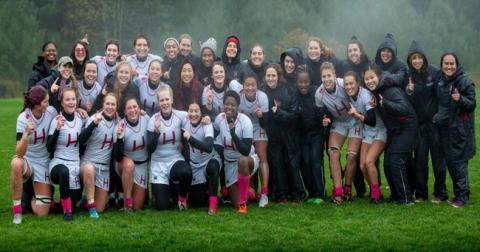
(67, 216)
(263, 202)
(243, 209)
(93, 213)
(17, 219)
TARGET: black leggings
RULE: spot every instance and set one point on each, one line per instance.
(180, 179)
(60, 175)
(199, 193)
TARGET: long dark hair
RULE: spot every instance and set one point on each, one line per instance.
(195, 87)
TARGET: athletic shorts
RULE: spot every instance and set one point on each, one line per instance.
(347, 129)
(140, 175)
(160, 171)
(259, 134)
(371, 134)
(73, 168)
(231, 170)
(199, 171)
(40, 171)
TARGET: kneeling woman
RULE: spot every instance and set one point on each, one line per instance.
(203, 159)
(235, 136)
(131, 154)
(62, 143)
(31, 155)
(95, 169)
(401, 123)
(168, 167)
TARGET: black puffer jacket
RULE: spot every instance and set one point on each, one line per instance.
(286, 117)
(232, 67)
(359, 69)
(397, 114)
(456, 120)
(423, 96)
(40, 70)
(395, 66)
(291, 79)
(310, 123)
(248, 68)
(314, 68)
(174, 67)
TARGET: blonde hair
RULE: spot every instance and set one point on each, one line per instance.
(165, 89)
(327, 66)
(117, 91)
(326, 51)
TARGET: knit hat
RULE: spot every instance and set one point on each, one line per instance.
(65, 60)
(210, 43)
(172, 39)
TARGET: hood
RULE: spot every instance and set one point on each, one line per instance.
(224, 51)
(417, 47)
(296, 54)
(390, 43)
(41, 66)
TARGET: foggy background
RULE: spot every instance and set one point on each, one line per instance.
(25, 25)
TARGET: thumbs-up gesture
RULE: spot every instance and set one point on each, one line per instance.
(381, 99)
(455, 95)
(258, 112)
(410, 85)
(326, 121)
(274, 108)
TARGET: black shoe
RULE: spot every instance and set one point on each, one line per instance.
(67, 216)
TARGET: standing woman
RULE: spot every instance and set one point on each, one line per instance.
(254, 104)
(386, 57)
(142, 58)
(88, 87)
(317, 53)
(106, 64)
(31, 155)
(235, 134)
(284, 144)
(374, 132)
(255, 64)
(62, 143)
(186, 41)
(170, 175)
(399, 117)
(187, 88)
(456, 121)
(422, 81)
(207, 57)
(203, 159)
(131, 154)
(148, 88)
(45, 62)
(231, 57)
(79, 55)
(357, 59)
(172, 61)
(290, 60)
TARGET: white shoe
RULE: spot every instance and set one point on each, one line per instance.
(17, 219)
(263, 202)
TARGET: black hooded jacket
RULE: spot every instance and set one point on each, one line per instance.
(395, 66)
(248, 68)
(314, 68)
(456, 120)
(233, 67)
(359, 69)
(291, 79)
(423, 96)
(284, 121)
(310, 123)
(40, 70)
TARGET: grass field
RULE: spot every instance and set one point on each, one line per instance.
(358, 225)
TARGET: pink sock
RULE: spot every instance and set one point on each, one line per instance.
(243, 182)
(212, 202)
(375, 189)
(67, 205)
(264, 190)
(182, 198)
(347, 189)
(17, 209)
(129, 202)
(224, 191)
(91, 205)
(338, 191)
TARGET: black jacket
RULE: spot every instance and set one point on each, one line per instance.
(423, 96)
(285, 119)
(248, 68)
(359, 69)
(456, 120)
(40, 70)
(47, 83)
(395, 66)
(310, 123)
(233, 67)
(291, 79)
(314, 68)
(174, 67)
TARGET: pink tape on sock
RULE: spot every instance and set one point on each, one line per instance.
(243, 182)
(128, 202)
(67, 205)
(264, 190)
(17, 209)
(212, 202)
(338, 191)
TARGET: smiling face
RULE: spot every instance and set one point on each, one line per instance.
(250, 88)
(350, 85)
(303, 83)
(141, 48)
(110, 105)
(386, 55)
(69, 101)
(171, 49)
(328, 79)
(65, 71)
(371, 80)
(257, 57)
(185, 46)
(165, 101)
(155, 71)
(230, 107)
(354, 53)
(417, 61)
(132, 110)
(194, 113)
(231, 50)
(314, 50)
(289, 64)
(207, 57)
(80, 52)
(271, 77)
(43, 105)
(111, 53)
(90, 74)
(50, 52)
(218, 75)
(449, 66)
(186, 74)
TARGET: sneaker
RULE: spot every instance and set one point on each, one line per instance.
(182, 205)
(337, 199)
(67, 216)
(128, 209)
(17, 219)
(316, 201)
(263, 202)
(457, 203)
(437, 200)
(212, 211)
(419, 199)
(93, 213)
(243, 209)
(348, 196)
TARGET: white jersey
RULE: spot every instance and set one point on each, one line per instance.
(336, 103)
(67, 147)
(170, 136)
(243, 129)
(142, 66)
(135, 139)
(217, 105)
(37, 141)
(249, 107)
(148, 96)
(362, 105)
(86, 97)
(103, 69)
(100, 143)
(200, 133)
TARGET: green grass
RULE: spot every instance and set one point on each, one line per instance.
(358, 225)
